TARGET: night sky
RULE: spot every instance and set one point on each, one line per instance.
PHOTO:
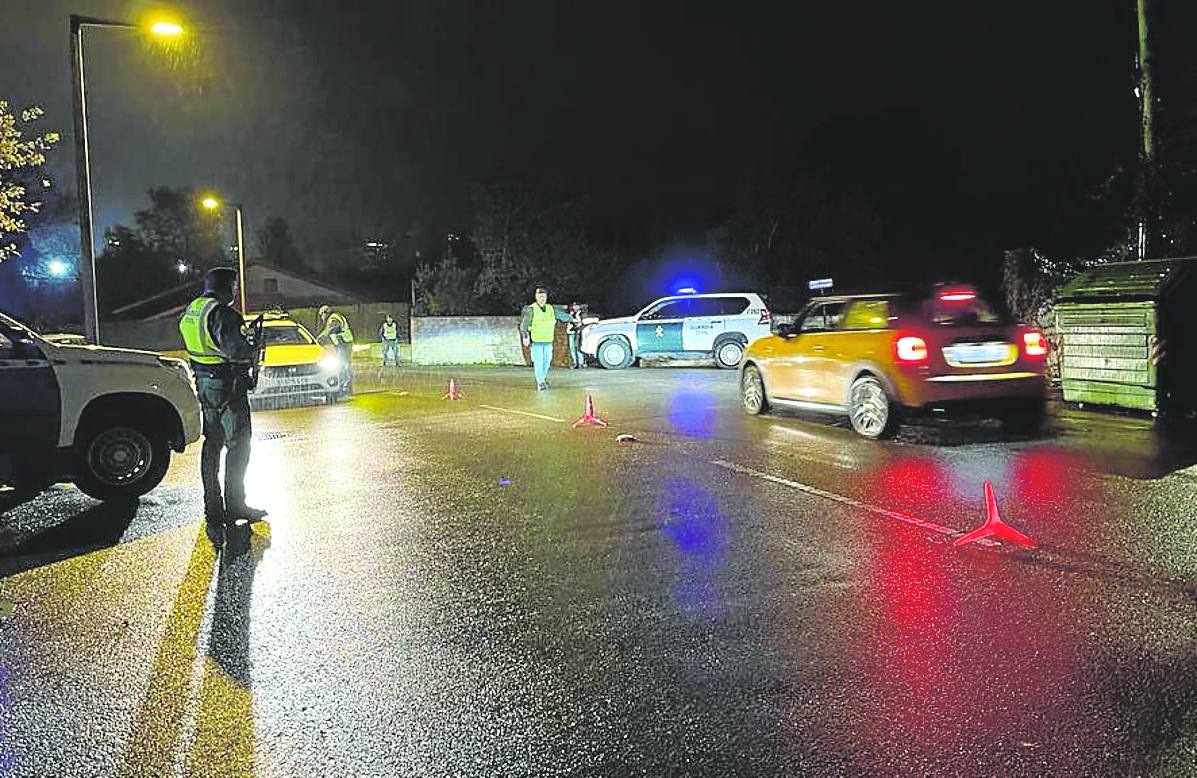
(969, 125)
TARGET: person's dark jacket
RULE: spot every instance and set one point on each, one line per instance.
(226, 327)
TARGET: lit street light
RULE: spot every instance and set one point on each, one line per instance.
(87, 249)
(211, 203)
(58, 268)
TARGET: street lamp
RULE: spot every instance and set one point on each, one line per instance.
(211, 203)
(87, 249)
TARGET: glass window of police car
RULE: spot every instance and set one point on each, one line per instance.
(672, 309)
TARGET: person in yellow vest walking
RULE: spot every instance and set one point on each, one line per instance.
(538, 324)
(388, 335)
(336, 332)
(221, 355)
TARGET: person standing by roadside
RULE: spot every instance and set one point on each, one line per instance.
(388, 335)
(221, 357)
(574, 332)
(336, 332)
(538, 324)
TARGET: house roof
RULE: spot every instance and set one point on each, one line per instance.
(171, 302)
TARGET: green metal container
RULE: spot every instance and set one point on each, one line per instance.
(1124, 334)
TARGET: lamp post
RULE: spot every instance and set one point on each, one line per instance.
(211, 203)
(87, 249)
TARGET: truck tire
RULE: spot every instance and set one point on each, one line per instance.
(119, 459)
(615, 353)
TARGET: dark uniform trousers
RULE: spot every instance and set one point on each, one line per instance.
(225, 405)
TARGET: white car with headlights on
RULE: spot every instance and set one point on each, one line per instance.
(684, 326)
(103, 418)
(295, 368)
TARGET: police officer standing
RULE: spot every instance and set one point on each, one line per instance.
(388, 333)
(221, 357)
(336, 332)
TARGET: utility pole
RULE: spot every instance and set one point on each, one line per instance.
(1146, 133)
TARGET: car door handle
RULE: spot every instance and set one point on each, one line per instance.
(716, 321)
(818, 348)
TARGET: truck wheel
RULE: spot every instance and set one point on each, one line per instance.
(120, 461)
(728, 352)
(615, 353)
(872, 413)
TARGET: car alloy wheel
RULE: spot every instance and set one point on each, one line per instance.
(730, 353)
(752, 390)
(120, 456)
(869, 408)
(613, 354)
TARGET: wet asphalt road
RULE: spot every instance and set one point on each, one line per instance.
(475, 588)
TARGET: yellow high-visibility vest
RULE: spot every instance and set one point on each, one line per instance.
(345, 335)
(544, 323)
(201, 347)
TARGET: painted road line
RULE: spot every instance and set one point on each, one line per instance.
(522, 413)
(817, 492)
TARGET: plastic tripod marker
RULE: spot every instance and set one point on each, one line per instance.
(454, 393)
(994, 527)
(589, 416)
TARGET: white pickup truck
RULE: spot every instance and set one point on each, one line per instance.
(103, 418)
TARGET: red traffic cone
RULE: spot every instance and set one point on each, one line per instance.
(994, 526)
(590, 417)
(453, 393)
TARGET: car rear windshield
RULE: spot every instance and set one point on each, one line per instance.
(286, 336)
(949, 313)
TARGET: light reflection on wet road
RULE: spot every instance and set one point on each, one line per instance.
(447, 589)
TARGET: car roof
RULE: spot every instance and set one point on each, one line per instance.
(708, 294)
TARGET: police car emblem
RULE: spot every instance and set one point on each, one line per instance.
(660, 331)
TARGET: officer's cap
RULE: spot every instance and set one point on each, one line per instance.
(220, 279)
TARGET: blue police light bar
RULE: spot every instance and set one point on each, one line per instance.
(687, 290)
(819, 283)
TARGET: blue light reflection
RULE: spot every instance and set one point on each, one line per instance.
(700, 534)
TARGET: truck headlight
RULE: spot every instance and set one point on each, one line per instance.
(330, 363)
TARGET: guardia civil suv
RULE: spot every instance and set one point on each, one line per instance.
(685, 326)
(106, 419)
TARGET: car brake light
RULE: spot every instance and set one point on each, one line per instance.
(766, 317)
(911, 348)
(1034, 344)
(957, 297)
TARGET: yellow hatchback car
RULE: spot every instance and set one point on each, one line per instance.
(875, 357)
(295, 368)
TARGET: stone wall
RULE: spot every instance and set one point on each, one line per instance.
(475, 340)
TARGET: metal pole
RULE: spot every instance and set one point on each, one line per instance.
(241, 257)
(87, 251)
(1147, 149)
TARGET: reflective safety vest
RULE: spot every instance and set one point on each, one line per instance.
(197, 337)
(544, 323)
(390, 330)
(345, 335)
